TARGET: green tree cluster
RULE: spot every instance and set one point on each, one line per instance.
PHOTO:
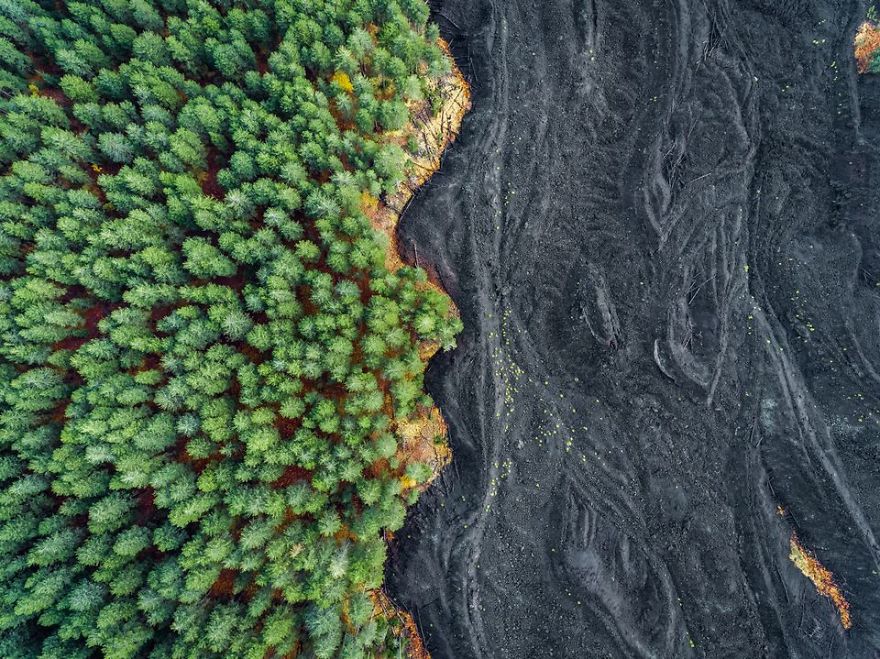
(203, 355)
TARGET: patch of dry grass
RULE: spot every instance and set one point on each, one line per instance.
(821, 577)
(867, 42)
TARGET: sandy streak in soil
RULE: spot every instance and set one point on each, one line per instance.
(660, 224)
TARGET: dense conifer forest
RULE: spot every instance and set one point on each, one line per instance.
(204, 356)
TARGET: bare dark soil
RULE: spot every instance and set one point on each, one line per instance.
(660, 224)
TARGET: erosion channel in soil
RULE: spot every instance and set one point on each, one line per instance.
(660, 225)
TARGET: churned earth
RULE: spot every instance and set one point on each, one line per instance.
(660, 224)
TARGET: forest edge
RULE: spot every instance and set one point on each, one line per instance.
(424, 439)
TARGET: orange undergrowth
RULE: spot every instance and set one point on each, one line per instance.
(867, 42)
(406, 627)
(822, 579)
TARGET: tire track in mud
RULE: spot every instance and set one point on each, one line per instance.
(660, 225)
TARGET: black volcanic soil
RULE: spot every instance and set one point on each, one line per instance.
(660, 224)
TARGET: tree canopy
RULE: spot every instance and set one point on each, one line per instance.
(204, 356)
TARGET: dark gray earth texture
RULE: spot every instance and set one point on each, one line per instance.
(660, 224)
